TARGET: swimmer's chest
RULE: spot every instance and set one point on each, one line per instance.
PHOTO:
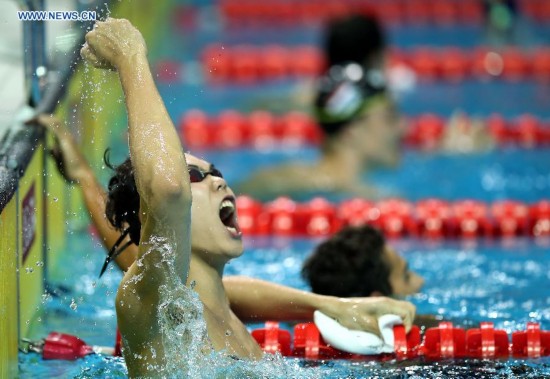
(227, 332)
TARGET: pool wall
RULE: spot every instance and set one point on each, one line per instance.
(37, 208)
(22, 244)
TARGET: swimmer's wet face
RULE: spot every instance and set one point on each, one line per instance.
(214, 229)
(402, 280)
(215, 232)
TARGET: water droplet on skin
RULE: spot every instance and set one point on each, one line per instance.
(55, 199)
(73, 305)
(39, 263)
(193, 284)
(29, 270)
(228, 333)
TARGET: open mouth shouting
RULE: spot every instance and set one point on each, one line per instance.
(228, 216)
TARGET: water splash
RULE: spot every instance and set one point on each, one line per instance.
(183, 331)
(185, 345)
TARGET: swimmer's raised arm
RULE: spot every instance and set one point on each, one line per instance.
(159, 165)
(162, 182)
(76, 169)
(257, 300)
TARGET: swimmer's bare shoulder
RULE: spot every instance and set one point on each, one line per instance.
(227, 332)
(363, 190)
(301, 178)
(138, 321)
(279, 180)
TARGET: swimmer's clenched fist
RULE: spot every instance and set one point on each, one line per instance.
(112, 43)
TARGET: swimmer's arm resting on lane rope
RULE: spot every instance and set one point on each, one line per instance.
(258, 300)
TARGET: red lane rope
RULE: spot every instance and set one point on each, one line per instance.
(250, 12)
(247, 64)
(429, 218)
(261, 129)
(443, 342)
(442, 12)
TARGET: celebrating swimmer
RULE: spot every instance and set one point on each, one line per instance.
(181, 213)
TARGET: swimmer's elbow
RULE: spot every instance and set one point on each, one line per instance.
(169, 196)
(175, 191)
(165, 194)
(170, 190)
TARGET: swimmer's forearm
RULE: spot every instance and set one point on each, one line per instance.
(155, 148)
(77, 169)
(257, 300)
(95, 200)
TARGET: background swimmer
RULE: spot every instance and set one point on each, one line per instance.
(362, 128)
(357, 261)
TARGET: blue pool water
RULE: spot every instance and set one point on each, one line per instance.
(473, 97)
(511, 173)
(506, 282)
(502, 282)
(209, 27)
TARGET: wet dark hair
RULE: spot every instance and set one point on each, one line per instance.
(122, 208)
(353, 38)
(349, 264)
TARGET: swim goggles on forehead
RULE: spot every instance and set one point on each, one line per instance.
(345, 91)
(196, 175)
